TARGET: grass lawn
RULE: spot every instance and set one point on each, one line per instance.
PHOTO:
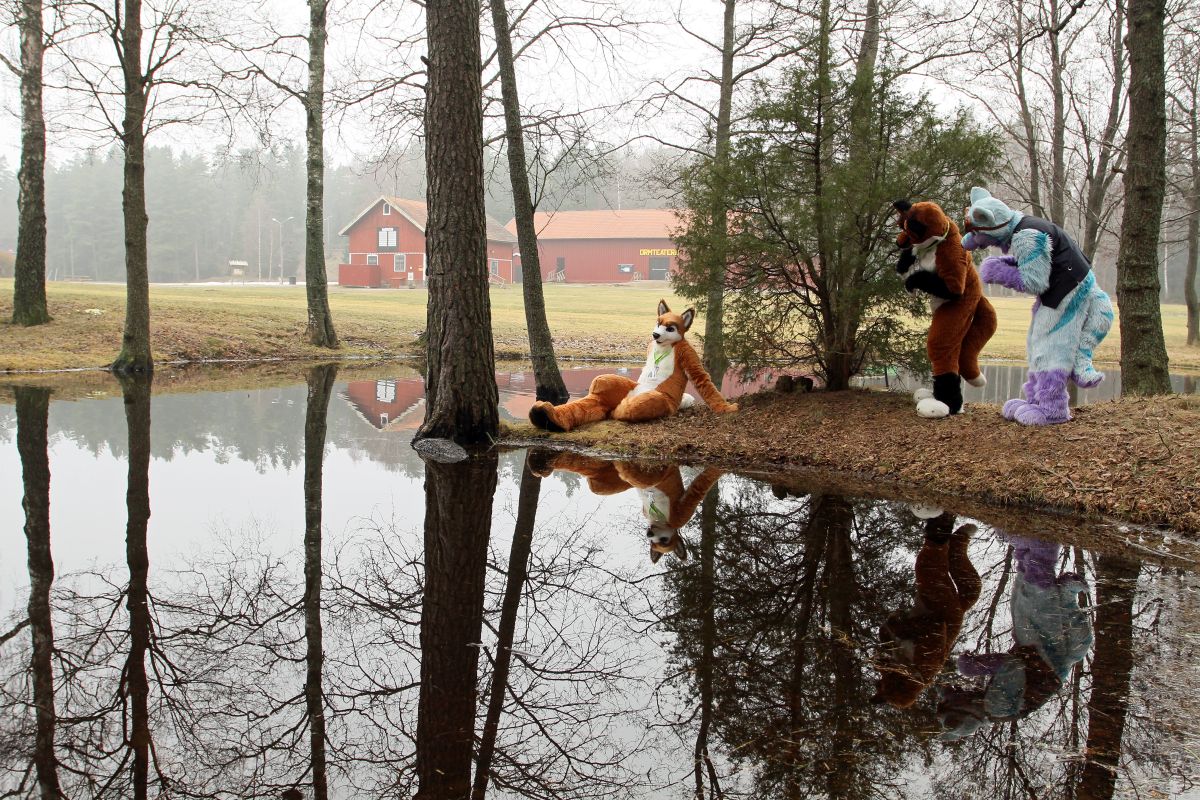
(193, 323)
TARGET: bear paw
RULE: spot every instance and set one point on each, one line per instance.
(1087, 380)
(977, 382)
(932, 409)
(926, 512)
(1033, 414)
(1011, 407)
(922, 394)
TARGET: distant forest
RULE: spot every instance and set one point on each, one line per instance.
(206, 211)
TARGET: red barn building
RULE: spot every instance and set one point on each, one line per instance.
(387, 246)
(605, 246)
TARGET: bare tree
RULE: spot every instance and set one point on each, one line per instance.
(550, 386)
(29, 286)
(1183, 97)
(460, 386)
(1143, 350)
(320, 321)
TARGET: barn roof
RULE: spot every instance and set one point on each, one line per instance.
(417, 212)
(633, 223)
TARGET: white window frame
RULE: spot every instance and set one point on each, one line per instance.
(386, 237)
(385, 391)
(372, 259)
(494, 266)
(399, 262)
(387, 209)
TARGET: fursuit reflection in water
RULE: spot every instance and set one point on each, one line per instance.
(423, 651)
(917, 641)
(666, 504)
(1050, 634)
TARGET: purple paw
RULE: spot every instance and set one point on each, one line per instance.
(1031, 414)
(1011, 407)
(1001, 270)
(1087, 381)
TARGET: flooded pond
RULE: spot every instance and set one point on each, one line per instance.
(266, 593)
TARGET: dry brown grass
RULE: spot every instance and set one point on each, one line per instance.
(198, 323)
(1135, 459)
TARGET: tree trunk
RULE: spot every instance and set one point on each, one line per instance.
(1058, 133)
(320, 321)
(518, 573)
(1143, 351)
(458, 516)
(136, 392)
(701, 759)
(135, 355)
(1112, 666)
(33, 408)
(1193, 236)
(320, 388)
(460, 379)
(1031, 153)
(550, 386)
(715, 359)
(29, 286)
(1101, 177)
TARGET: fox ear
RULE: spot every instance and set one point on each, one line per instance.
(654, 556)
(688, 316)
(662, 308)
(903, 206)
(681, 551)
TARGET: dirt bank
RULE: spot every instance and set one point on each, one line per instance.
(1132, 459)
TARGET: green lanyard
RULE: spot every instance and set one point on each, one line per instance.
(658, 359)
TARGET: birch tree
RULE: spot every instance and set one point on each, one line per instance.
(29, 286)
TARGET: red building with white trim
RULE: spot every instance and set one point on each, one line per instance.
(605, 246)
(387, 246)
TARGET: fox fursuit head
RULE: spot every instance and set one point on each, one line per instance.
(667, 504)
(658, 392)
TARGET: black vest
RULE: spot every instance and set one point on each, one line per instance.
(1068, 265)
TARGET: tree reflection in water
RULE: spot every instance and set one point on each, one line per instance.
(352, 666)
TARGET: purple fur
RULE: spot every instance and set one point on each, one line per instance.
(1051, 403)
(1011, 407)
(1036, 560)
(977, 665)
(1002, 270)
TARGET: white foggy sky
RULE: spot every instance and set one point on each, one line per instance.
(548, 77)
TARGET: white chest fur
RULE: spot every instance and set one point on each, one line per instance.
(660, 365)
(656, 506)
(927, 261)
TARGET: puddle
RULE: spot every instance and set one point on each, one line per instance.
(559, 625)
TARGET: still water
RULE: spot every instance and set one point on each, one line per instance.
(266, 593)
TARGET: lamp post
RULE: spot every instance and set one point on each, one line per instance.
(280, 224)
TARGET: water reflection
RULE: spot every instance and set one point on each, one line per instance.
(32, 410)
(498, 630)
(458, 516)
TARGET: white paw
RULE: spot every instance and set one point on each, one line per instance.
(932, 409)
(687, 401)
(980, 381)
(926, 512)
(922, 394)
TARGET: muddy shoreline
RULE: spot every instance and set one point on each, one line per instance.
(1133, 460)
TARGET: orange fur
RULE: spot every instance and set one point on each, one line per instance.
(613, 477)
(947, 587)
(961, 327)
(612, 396)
